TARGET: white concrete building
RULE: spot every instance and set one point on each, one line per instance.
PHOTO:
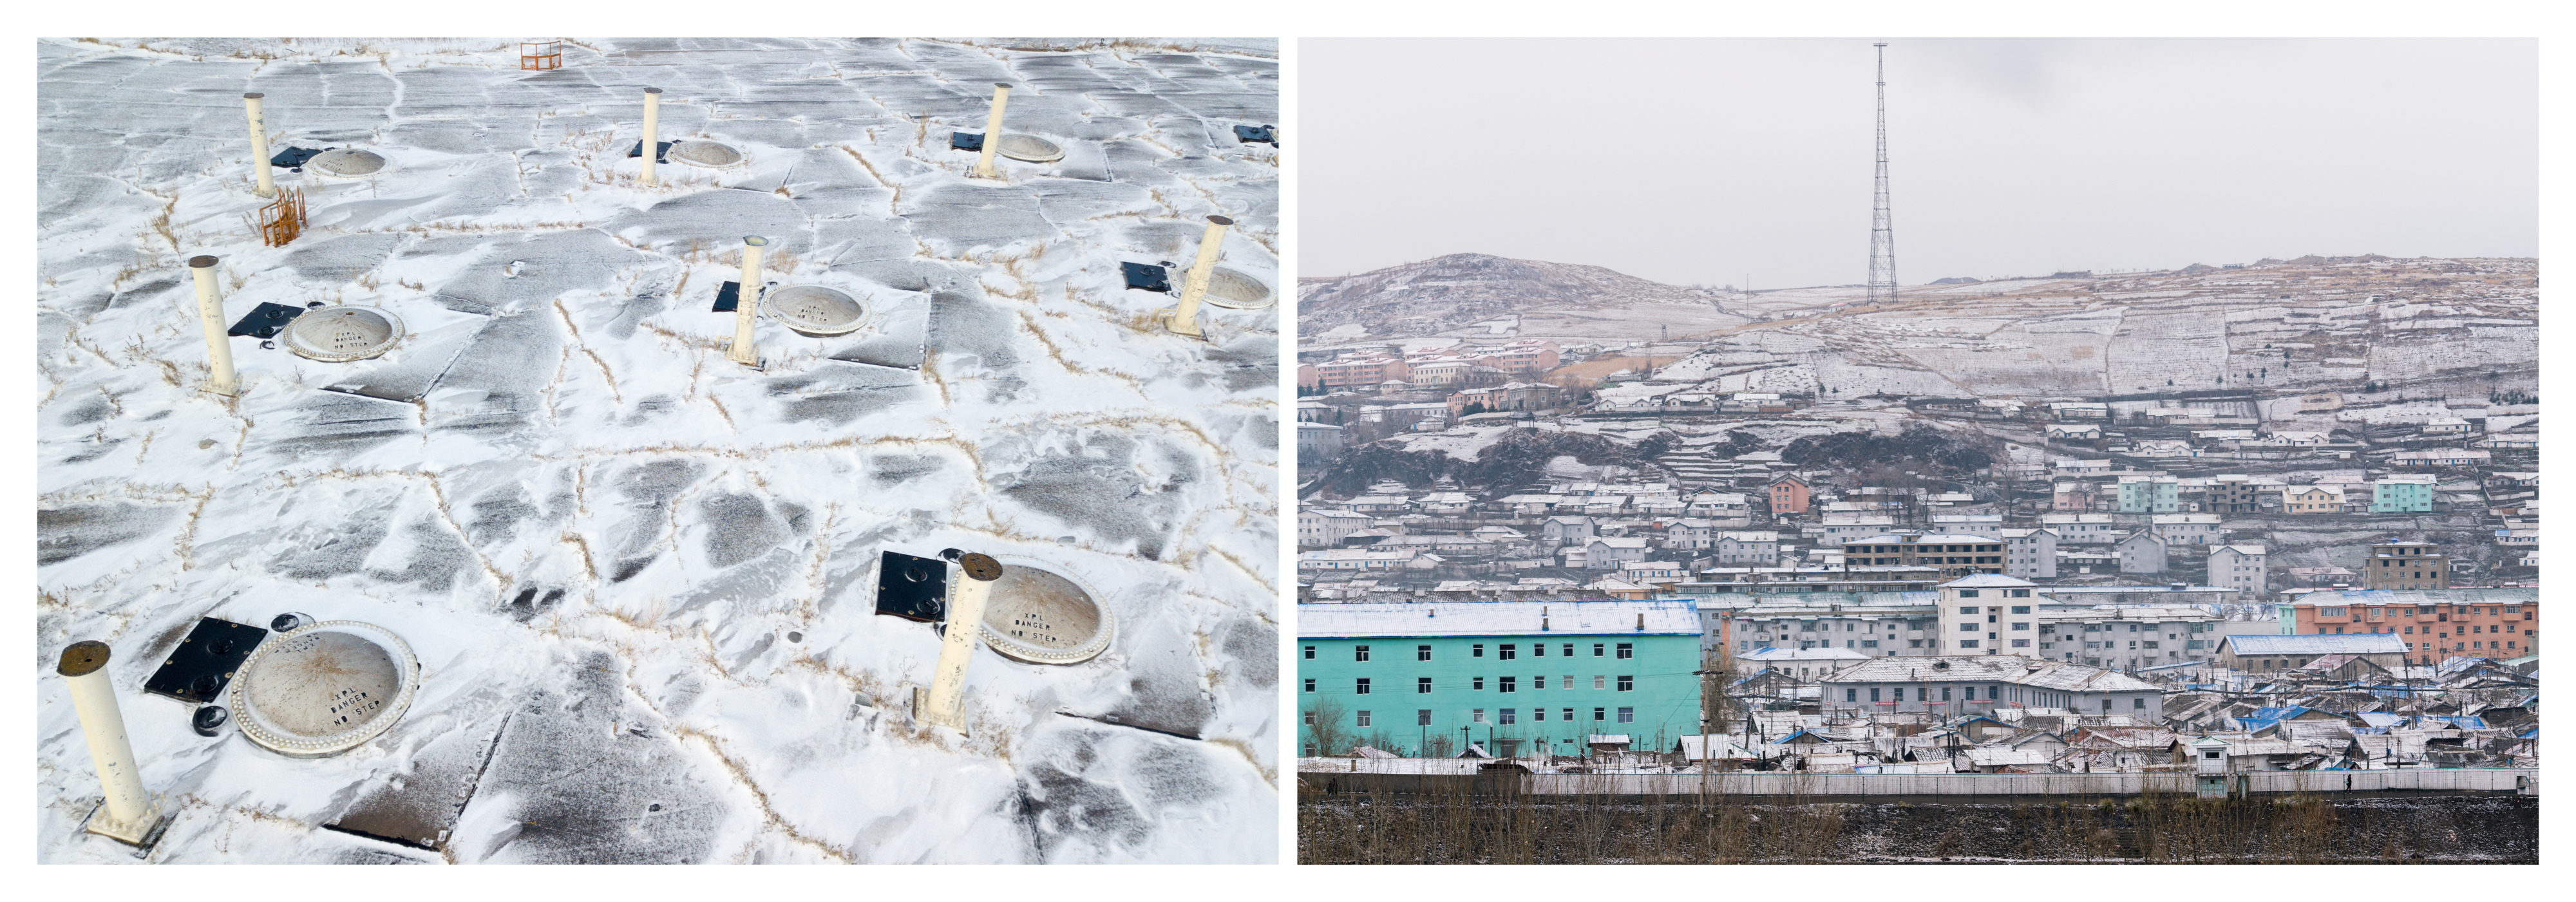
(2239, 567)
(2186, 529)
(2030, 553)
(1325, 528)
(2142, 552)
(2082, 529)
(1760, 548)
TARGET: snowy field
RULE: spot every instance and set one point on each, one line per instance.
(639, 577)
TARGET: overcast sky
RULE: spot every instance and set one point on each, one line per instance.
(1701, 160)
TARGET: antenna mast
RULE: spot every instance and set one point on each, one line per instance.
(1882, 239)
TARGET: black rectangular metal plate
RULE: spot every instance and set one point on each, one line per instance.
(661, 149)
(1260, 135)
(966, 141)
(913, 588)
(265, 321)
(729, 297)
(202, 665)
(293, 157)
(1146, 276)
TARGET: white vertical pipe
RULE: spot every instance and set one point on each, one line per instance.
(259, 145)
(652, 130)
(130, 811)
(970, 585)
(210, 312)
(1186, 319)
(992, 132)
(746, 303)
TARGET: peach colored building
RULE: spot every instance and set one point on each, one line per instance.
(1788, 496)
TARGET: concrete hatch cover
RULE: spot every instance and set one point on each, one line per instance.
(708, 154)
(343, 334)
(324, 688)
(1043, 617)
(1234, 289)
(1028, 149)
(814, 309)
(346, 162)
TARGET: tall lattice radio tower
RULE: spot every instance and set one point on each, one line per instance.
(1882, 238)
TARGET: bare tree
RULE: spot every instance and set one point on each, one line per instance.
(1325, 727)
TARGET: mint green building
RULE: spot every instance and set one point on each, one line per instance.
(1516, 677)
(2149, 495)
(2394, 496)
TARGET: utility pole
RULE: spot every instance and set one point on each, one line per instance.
(1882, 237)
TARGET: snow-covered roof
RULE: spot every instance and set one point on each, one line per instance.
(2041, 673)
(1497, 618)
(2349, 643)
(1987, 581)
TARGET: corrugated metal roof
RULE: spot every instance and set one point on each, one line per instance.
(2350, 643)
(1496, 618)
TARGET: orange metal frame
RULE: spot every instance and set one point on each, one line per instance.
(540, 54)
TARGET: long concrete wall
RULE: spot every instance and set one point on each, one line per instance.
(1951, 787)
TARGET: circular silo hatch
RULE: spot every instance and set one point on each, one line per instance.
(343, 334)
(324, 688)
(346, 162)
(1237, 290)
(1041, 616)
(704, 153)
(814, 309)
(1029, 149)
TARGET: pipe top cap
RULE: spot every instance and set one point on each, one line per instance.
(652, 90)
(83, 658)
(1220, 220)
(754, 240)
(980, 566)
(1004, 85)
(202, 261)
(254, 95)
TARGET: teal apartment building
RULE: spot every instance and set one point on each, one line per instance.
(2401, 496)
(2149, 495)
(1516, 677)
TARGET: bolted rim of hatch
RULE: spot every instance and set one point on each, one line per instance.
(815, 309)
(1021, 590)
(271, 729)
(343, 333)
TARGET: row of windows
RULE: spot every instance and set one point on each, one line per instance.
(1626, 683)
(1504, 651)
(1506, 716)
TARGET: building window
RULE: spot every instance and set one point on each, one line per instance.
(1310, 685)
(1422, 684)
(1310, 750)
(1873, 694)
(1596, 715)
(1967, 593)
(1596, 649)
(1364, 718)
(1627, 715)
(1627, 682)
(1476, 651)
(2019, 593)
(1476, 716)
(2021, 609)
(1363, 686)
(1569, 714)
(2021, 626)
(2138, 703)
(1945, 693)
(2021, 643)
(1507, 652)
(1851, 695)
(1422, 717)
(1538, 649)
(1569, 649)
(1509, 684)
(1538, 713)
(1359, 653)
(1627, 650)
(1310, 718)
(1507, 716)
(1599, 681)
(1310, 652)
(1422, 652)
(1476, 683)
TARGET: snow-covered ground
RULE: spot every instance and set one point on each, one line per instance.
(639, 577)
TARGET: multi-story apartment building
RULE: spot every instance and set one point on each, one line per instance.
(1954, 554)
(2433, 623)
(2239, 567)
(2407, 494)
(2311, 499)
(2030, 553)
(2235, 493)
(1969, 684)
(1324, 528)
(2186, 529)
(1758, 548)
(2075, 496)
(1789, 495)
(2406, 565)
(1362, 370)
(2149, 495)
(1516, 677)
(1318, 443)
(1522, 358)
(2083, 529)
(2156, 624)
(2142, 552)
